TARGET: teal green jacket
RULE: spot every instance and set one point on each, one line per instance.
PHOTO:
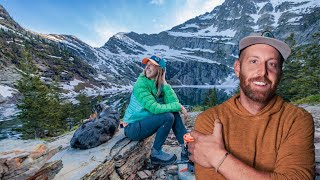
(143, 101)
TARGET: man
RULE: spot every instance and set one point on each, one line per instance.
(255, 134)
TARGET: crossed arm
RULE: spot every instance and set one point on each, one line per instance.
(208, 151)
(294, 160)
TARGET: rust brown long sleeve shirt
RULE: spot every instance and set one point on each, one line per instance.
(279, 139)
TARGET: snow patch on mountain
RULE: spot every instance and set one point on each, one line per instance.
(207, 32)
(7, 91)
(199, 49)
(206, 16)
(190, 26)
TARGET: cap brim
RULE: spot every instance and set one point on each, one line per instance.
(145, 61)
(282, 47)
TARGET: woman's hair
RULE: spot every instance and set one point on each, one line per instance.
(158, 80)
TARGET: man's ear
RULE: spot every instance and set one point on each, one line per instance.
(236, 67)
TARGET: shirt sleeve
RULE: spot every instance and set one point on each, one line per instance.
(169, 94)
(295, 158)
(148, 101)
(205, 124)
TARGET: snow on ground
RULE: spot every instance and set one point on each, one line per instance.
(7, 111)
(230, 80)
(255, 17)
(261, 5)
(7, 91)
(71, 84)
(199, 49)
(97, 90)
(5, 28)
(189, 26)
(207, 32)
(90, 91)
(206, 16)
(56, 57)
(168, 53)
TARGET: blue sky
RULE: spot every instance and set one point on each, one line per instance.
(95, 21)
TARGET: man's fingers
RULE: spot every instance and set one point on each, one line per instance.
(195, 134)
(217, 130)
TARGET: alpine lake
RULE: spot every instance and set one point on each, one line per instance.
(189, 96)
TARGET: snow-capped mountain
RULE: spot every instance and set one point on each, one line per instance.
(200, 51)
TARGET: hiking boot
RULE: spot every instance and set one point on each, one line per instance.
(162, 158)
(184, 154)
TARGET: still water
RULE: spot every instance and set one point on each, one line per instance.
(192, 96)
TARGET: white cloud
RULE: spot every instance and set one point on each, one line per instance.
(193, 8)
(103, 29)
(157, 2)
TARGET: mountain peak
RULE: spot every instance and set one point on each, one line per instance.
(6, 22)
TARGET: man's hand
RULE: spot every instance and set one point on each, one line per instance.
(184, 112)
(207, 150)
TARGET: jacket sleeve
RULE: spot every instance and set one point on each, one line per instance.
(296, 156)
(148, 101)
(169, 94)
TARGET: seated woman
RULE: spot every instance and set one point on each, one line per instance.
(154, 108)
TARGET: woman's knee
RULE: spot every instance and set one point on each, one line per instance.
(169, 117)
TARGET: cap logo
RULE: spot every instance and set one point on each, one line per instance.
(160, 61)
(267, 34)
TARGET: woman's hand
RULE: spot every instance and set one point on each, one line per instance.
(184, 112)
(164, 78)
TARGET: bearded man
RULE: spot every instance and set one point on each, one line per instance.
(255, 134)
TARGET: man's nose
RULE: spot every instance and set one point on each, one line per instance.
(262, 69)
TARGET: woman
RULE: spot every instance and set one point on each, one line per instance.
(154, 108)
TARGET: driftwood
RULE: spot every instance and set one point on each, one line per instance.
(19, 164)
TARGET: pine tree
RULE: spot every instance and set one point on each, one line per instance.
(301, 72)
(41, 109)
(211, 99)
(83, 109)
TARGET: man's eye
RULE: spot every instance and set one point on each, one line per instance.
(273, 65)
(253, 61)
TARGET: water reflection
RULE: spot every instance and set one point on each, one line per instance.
(196, 96)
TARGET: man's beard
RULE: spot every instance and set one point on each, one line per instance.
(257, 95)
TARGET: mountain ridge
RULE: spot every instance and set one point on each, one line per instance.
(199, 51)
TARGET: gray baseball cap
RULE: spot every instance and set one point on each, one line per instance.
(265, 37)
